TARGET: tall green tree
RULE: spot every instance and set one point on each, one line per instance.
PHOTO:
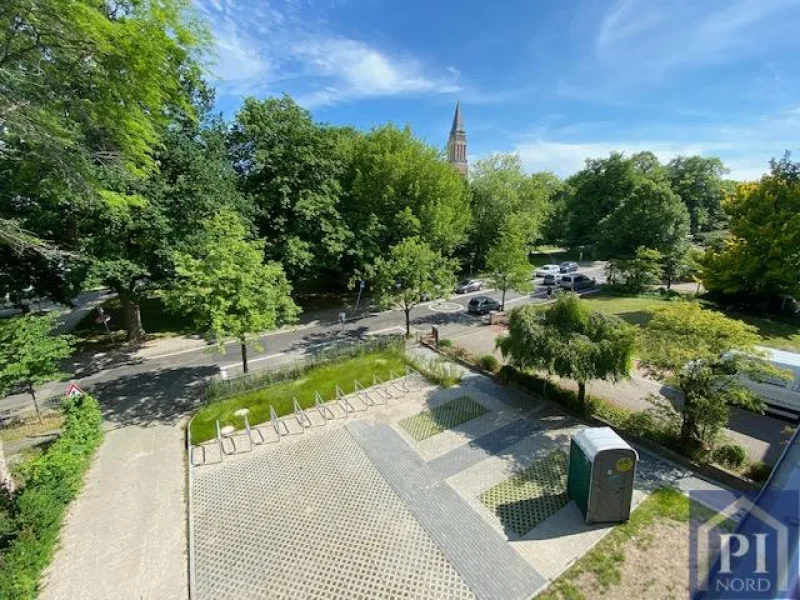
(649, 215)
(86, 91)
(224, 284)
(637, 273)
(704, 352)
(502, 192)
(410, 273)
(508, 263)
(290, 167)
(698, 181)
(761, 258)
(396, 187)
(569, 340)
(30, 354)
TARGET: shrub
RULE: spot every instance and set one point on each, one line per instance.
(439, 371)
(50, 482)
(640, 423)
(445, 343)
(489, 362)
(729, 455)
(757, 471)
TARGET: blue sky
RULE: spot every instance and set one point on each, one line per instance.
(555, 81)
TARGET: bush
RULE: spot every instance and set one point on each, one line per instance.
(640, 423)
(732, 456)
(438, 371)
(445, 343)
(489, 362)
(757, 471)
(50, 482)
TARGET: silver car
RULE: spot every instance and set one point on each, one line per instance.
(576, 282)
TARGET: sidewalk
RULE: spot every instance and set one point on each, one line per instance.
(763, 437)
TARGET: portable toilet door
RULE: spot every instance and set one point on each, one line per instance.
(612, 464)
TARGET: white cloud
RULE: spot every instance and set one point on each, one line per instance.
(355, 69)
(271, 45)
(745, 149)
(643, 40)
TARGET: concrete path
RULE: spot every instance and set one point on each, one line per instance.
(125, 535)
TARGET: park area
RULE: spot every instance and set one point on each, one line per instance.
(409, 489)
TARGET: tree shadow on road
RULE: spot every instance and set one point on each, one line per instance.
(160, 397)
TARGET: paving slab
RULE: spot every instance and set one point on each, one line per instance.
(482, 557)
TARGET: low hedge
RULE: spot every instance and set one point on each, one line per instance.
(49, 482)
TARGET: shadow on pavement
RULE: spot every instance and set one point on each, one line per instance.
(159, 397)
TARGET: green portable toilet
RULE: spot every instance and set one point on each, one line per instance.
(602, 467)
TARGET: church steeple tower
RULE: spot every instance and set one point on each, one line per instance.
(457, 144)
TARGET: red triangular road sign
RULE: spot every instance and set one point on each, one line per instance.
(74, 390)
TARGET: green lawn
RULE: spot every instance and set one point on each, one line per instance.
(775, 334)
(322, 379)
(600, 570)
(633, 309)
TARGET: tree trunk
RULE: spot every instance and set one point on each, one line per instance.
(582, 395)
(669, 282)
(6, 481)
(244, 357)
(408, 322)
(687, 426)
(32, 392)
(133, 318)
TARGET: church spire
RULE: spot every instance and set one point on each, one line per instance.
(457, 144)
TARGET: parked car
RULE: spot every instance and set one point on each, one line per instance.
(551, 279)
(568, 267)
(470, 285)
(545, 270)
(481, 305)
(576, 283)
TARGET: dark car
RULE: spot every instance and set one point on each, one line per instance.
(568, 267)
(576, 283)
(481, 305)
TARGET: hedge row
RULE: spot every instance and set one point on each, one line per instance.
(49, 483)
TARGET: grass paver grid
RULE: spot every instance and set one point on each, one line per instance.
(526, 499)
(436, 420)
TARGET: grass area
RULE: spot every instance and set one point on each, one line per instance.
(545, 255)
(633, 309)
(32, 426)
(156, 319)
(322, 379)
(446, 416)
(783, 335)
(602, 566)
(774, 333)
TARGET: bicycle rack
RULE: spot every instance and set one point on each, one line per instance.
(300, 414)
(276, 423)
(255, 435)
(343, 401)
(323, 408)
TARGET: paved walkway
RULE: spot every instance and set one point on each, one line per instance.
(763, 437)
(355, 507)
(125, 534)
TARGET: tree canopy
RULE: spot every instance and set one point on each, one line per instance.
(704, 351)
(698, 181)
(412, 272)
(569, 340)
(30, 354)
(761, 257)
(224, 284)
(507, 261)
(502, 192)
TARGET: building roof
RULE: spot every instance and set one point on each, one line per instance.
(458, 123)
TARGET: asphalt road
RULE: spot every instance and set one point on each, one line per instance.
(107, 373)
